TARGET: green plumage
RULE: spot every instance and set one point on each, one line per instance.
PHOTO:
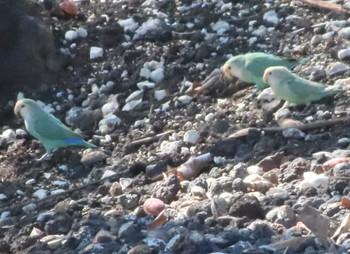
(296, 90)
(49, 130)
(250, 67)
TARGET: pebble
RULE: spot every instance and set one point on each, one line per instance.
(167, 147)
(3, 197)
(145, 85)
(132, 105)
(184, 99)
(82, 32)
(40, 194)
(71, 35)
(108, 173)
(157, 75)
(29, 208)
(271, 17)
(153, 206)
(344, 33)
(129, 25)
(267, 95)
(93, 157)
(8, 136)
(30, 182)
(96, 52)
(107, 124)
(58, 191)
(314, 180)
(191, 137)
(159, 95)
(293, 133)
(336, 68)
(344, 54)
(21, 133)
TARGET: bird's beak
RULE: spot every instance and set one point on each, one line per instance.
(265, 76)
(18, 107)
(227, 71)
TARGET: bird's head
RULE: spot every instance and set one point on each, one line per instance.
(233, 67)
(24, 107)
(275, 74)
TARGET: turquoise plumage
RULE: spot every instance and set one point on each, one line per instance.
(49, 130)
(250, 67)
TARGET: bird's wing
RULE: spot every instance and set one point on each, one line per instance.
(49, 127)
(258, 63)
(302, 87)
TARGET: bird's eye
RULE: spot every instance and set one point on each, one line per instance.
(22, 106)
(229, 67)
(270, 73)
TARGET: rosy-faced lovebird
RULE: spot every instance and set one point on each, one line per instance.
(294, 89)
(250, 67)
(49, 130)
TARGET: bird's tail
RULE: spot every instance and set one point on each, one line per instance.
(78, 142)
(330, 90)
(295, 62)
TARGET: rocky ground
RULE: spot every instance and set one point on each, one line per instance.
(171, 174)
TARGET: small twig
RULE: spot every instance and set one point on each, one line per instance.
(147, 140)
(313, 26)
(326, 6)
(59, 195)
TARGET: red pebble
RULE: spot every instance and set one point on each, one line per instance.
(69, 7)
(153, 206)
(333, 162)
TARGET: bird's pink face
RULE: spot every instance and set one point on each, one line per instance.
(21, 109)
(267, 74)
(231, 70)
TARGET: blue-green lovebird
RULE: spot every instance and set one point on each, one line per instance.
(49, 130)
(250, 67)
(294, 89)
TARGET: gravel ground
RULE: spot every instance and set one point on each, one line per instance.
(187, 160)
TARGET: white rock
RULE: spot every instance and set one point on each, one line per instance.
(160, 94)
(109, 108)
(145, 72)
(147, 26)
(254, 169)
(9, 136)
(328, 36)
(293, 133)
(344, 33)
(344, 53)
(70, 35)
(314, 180)
(108, 173)
(2, 197)
(58, 191)
(191, 136)
(271, 17)
(261, 31)
(29, 208)
(316, 39)
(220, 26)
(131, 105)
(336, 68)
(82, 32)
(96, 52)
(134, 96)
(145, 85)
(21, 133)
(108, 123)
(128, 24)
(184, 99)
(267, 95)
(157, 75)
(209, 117)
(40, 194)
(30, 181)
(167, 147)
(60, 183)
(4, 215)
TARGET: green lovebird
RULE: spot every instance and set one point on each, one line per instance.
(250, 67)
(49, 130)
(294, 89)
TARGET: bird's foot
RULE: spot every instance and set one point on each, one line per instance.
(47, 156)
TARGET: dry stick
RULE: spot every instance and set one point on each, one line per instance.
(326, 6)
(60, 195)
(310, 126)
(147, 140)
